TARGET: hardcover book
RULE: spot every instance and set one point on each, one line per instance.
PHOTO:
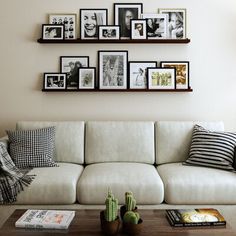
(45, 219)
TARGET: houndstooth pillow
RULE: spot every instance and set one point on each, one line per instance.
(32, 148)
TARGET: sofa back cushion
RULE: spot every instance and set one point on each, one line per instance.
(69, 138)
(173, 139)
(125, 141)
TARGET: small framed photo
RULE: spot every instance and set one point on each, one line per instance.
(54, 81)
(123, 13)
(108, 32)
(139, 29)
(112, 71)
(87, 77)
(156, 25)
(90, 19)
(182, 72)
(70, 65)
(68, 20)
(138, 73)
(176, 23)
(52, 32)
(161, 78)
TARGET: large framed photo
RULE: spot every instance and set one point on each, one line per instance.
(90, 19)
(161, 78)
(156, 25)
(138, 73)
(182, 72)
(52, 32)
(112, 69)
(176, 22)
(139, 29)
(70, 65)
(87, 77)
(54, 81)
(69, 22)
(109, 32)
(124, 12)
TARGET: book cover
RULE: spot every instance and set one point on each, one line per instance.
(45, 219)
(195, 217)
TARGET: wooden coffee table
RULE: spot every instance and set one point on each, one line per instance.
(87, 222)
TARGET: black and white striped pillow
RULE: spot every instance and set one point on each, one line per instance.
(32, 148)
(212, 149)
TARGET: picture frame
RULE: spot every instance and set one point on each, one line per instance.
(112, 69)
(138, 73)
(109, 32)
(52, 32)
(123, 13)
(90, 19)
(54, 81)
(182, 72)
(156, 25)
(87, 78)
(161, 78)
(70, 65)
(69, 20)
(138, 29)
(177, 20)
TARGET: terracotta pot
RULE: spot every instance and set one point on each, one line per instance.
(109, 228)
(133, 229)
(123, 210)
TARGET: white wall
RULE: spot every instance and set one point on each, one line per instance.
(212, 54)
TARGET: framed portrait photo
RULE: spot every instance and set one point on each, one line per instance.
(182, 72)
(54, 81)
(52, 32)
(69, 22)
(123, 13)
(87, 77)
(176, 28)
(161, 78)
(156, 25)
(138, 73)
(70, 65)
(109, 32)
(90, 19)
(112, 69)
(139, 29)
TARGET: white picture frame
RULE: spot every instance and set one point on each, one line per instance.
(139, 29)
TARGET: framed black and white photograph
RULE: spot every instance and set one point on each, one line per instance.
(161, 78)
(70, 65)
(138, 73)
(176, 23)
(52, 32)
(109, 32)
(123, 13)
(87, 77)
(182, 72)
(90, 19)
(156, 25)
(68, 20)
(54, 81)
(139, 29)
(112, 67)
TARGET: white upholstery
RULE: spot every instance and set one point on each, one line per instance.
(69, 138)
(52, 185)
(142, 179)
(173, 139)
(197, 185)
(119, 141)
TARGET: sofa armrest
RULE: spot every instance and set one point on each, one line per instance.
(5, 141)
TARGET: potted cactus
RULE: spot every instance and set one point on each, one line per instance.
(132, 224)
(130, 204)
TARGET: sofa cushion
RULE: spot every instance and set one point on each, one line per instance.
(173, 139)
(69, 139)
(55, 185)
(197, 185)
(142, 179)
(119, 141)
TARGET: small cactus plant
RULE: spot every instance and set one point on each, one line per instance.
(111, 207)
(130, 202)
(131, 217)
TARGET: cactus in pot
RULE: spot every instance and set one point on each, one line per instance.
(130, 202)
(111, 207)
(131, 217)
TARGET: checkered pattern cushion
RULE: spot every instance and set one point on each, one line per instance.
(32, 148)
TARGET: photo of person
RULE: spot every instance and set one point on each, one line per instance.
(109, 32)
(54, 81)
(138, 29)
(87, 78)
(53, 32)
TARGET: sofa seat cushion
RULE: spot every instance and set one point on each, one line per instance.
(197, 185)
(52, 185)
(142, 179)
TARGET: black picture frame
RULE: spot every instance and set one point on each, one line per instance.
(85, 83)
(54, 81)
(53, 32)
(110, 34)
(138, 29)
